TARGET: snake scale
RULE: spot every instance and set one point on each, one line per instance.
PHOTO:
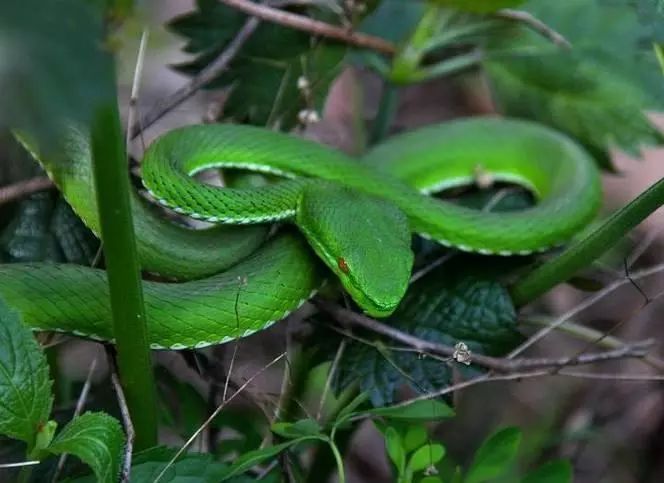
(357, 217)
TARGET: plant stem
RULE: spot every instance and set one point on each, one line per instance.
(581, 254)
(387, 108)
(117, 230)
(324, 462)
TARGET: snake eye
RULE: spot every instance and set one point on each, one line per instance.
(343, 266)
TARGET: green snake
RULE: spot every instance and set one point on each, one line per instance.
(357, 216)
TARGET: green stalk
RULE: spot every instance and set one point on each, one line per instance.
(117, 230)
(581, 254)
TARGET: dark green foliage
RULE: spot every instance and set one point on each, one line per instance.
(263, 77)
(596, 92)
(42, 81)
(25, 385)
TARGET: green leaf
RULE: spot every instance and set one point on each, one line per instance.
(479, 6)
(431, 479)
(258, 456)
(264, 74)
(97, 440)
(415, 437)
(298, 429)
(51, 70)
(650, 14)
(597, 91)
(25, 386)
(552, 472)
(416, 411)
(395, 449)
(45, 228)
(460, 301)
(585, 99)
(425, 457)
(189, 468)
(495, 455)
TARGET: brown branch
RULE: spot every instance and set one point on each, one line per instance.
(348, 317)
(315, 27)
(204, 77)
(535, 24)
(24, 188)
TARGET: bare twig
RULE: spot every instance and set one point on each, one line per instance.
(214, 414)
(126, 419)
(20, 464)
(518, 376)
(80, 403)
(204, 77)
(635, 350)
(535, 24)
(593, 336)
(24, 188)
(135, 86)
(584, 305)
(330, 377)
(315, 27)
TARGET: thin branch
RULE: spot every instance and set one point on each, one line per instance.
(315, 27)
(135, 86)
(584, 305)
(207, 422)
(126, 419)
(518, 376)
(24, 188)
(635, 350)
(20, 464)
(535, 24)
(330, 377)
(204, 77)
(593, 336)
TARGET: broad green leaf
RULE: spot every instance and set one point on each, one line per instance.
(415, 437)
(96, 439)
(303, 427)
(45, 228)
(552, 472)
(395, 449)
(479, 6)
(417, 411)
(51, 70)
(263, 76)
(25, 387)
(431, 479)
(425, 457)
(495, 456)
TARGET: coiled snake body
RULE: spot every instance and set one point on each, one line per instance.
(357, 215)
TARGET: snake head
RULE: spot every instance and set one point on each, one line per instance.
(364, 240)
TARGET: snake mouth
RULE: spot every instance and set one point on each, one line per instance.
(372, 306)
